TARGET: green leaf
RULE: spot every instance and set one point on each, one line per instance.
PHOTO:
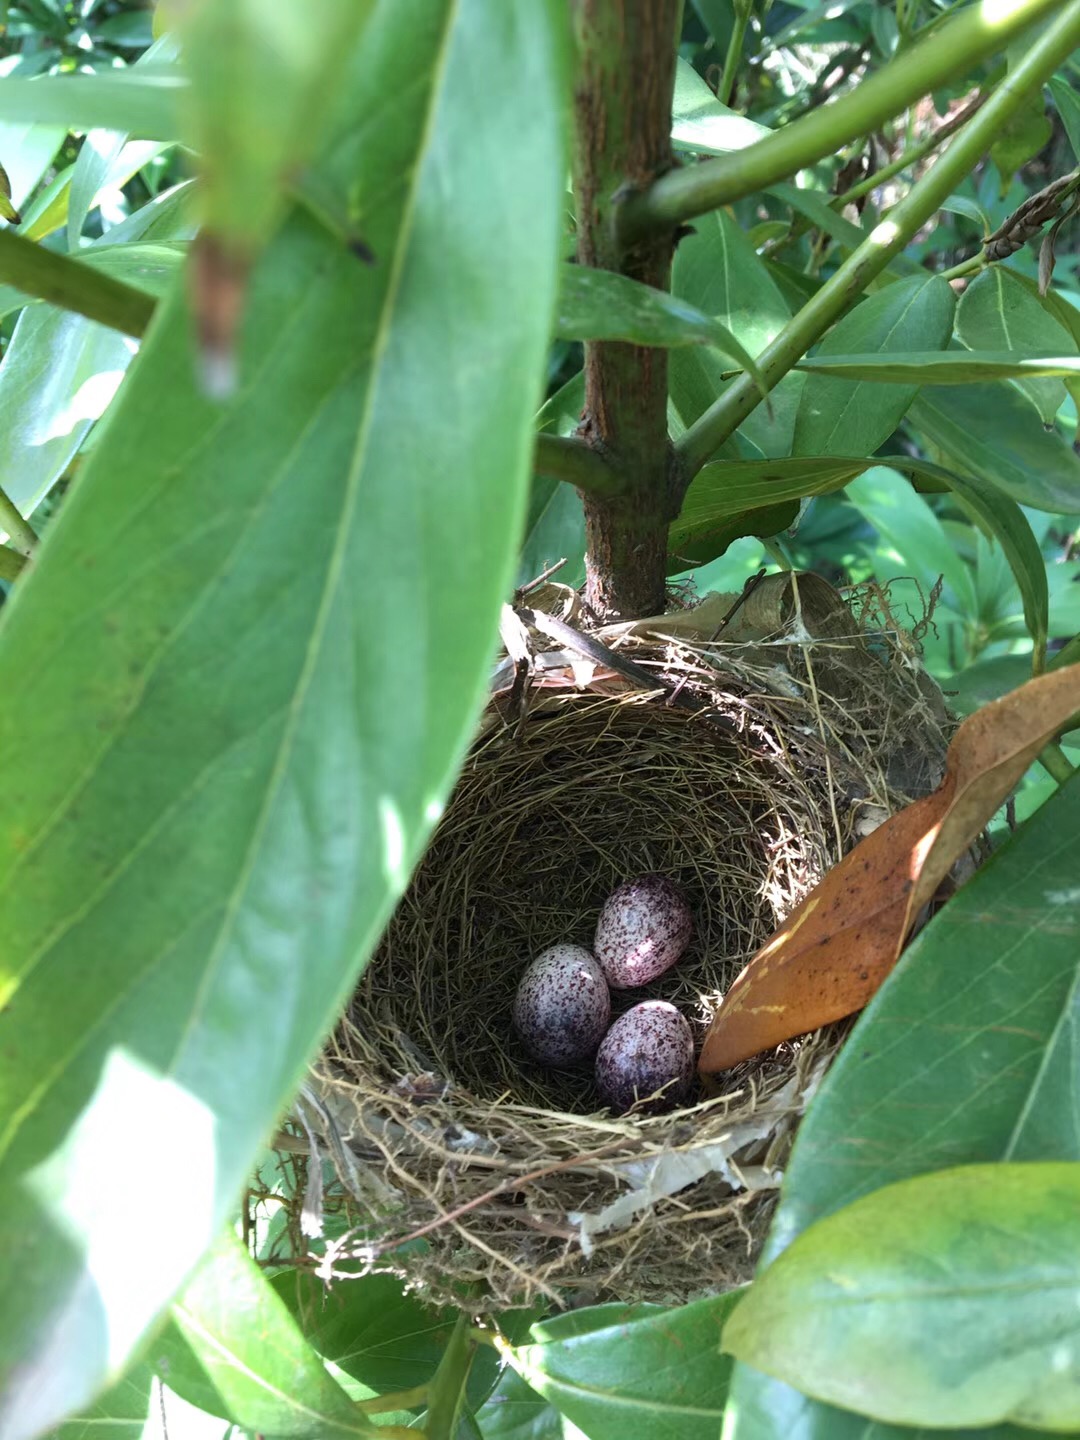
(102, 160)
(731, 498)
(516, 1412)
(27, 152)
(1022, 137)
(717, 271)
(143, 102)
(555, 524)
(1067, 103)
(997, 313)
(945, 1069)
(971, 210)
(948, 1299)
(942, 367)
(844, 417)
(242, 1356)
(700, 123)
(59, 375)
(601, 305)
(1004, 520)
(644, 1370)
(120, 1414)
(385, 1339)
(906, 525)
(264, 83)
(202, 863)
(995, 433)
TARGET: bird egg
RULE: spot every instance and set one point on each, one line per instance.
(644, 927)
(650, 1046)
(562, 1006)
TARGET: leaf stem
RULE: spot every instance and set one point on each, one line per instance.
(965, 267)
(399, 1400)
(12, 563)
(64, 282)
(562, 457)
(954, 48)
(912, 155)
(22, 533)
(1056, 763)
(734, 51)
(890, 236)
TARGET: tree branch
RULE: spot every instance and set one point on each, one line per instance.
(578, 464)
(64, 282)
(622, 107)
(12, 563)
(956, 47)
(22, 533)
(722, 418)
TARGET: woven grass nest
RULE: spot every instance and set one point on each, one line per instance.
(739, 747)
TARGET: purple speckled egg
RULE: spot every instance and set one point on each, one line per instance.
(648, 1047)
(563, 1005)
(644, 927)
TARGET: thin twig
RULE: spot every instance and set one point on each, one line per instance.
(73, 285)
(22, 533)
(12, 564)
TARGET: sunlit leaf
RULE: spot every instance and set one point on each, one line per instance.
(210, 809)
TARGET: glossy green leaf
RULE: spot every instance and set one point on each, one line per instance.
(911, 533)
(995, 433)
(555, 523)
(383, 1338)
(615, 1370)
(120, 1414)
(1004, 520)
(718, 17)
(997, 313)
(949, 1299)
(944, 1069)
(942, 367)
(264, 83)
(516, 1412)
(717, 271)
(27, 151)
(106, 158)
(845, 417)
(600, 305)
(110, 162)
(1067, 103)
(202, 863)
(1022, 137)
(731, 498)
(243, 1356)
(700, 123)
(971, 210)
(144, 102)
(59, 375)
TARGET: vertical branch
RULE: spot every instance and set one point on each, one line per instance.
(622, 102)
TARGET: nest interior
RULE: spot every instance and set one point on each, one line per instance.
(743, 780)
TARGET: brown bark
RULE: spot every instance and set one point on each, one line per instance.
(622, 102)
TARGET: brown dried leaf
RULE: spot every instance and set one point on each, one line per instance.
(836, 948)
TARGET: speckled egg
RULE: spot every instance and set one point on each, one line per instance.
(562, 1006)
(650, 1046)
(644, 927)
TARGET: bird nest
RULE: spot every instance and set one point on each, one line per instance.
(740, 748)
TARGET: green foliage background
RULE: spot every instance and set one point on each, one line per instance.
(209, 804)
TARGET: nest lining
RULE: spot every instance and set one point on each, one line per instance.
(515, 1180)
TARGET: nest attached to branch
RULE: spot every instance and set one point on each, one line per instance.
(739, 747)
